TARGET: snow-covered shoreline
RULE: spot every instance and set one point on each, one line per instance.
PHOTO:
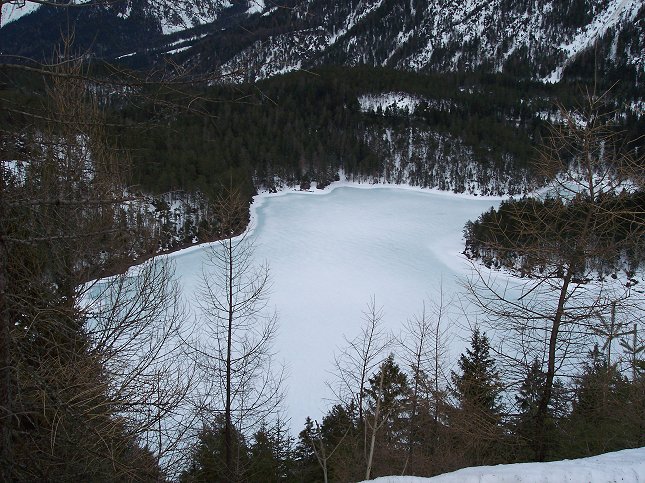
(264, 194)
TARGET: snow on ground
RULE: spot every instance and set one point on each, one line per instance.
(178, 49)
(393, 100)
(330, 251)
(255, 6)
(627, 466)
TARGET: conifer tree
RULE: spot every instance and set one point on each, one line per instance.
(208, 460)
(264, 458)
(387, 397)
(477, 389)
(307, 468)
(528, 400)
(423, 349)
(478, 385)
(340, 433)
(601, 420)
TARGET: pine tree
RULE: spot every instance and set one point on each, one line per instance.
(528, 400)
(601, 420)
(395, 387)
(208, 461)
(306, 465)
(476, 421)
(387, 397)
(329, 452)
(478, 386)
(265, 456)
(340, 434)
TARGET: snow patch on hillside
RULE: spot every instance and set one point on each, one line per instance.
(185, 15)
(362, 10)
(255, 6)
(399, 101)
(276, 55)
(13, 11)
(627, 466)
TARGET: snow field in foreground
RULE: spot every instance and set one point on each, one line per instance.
(627, 466)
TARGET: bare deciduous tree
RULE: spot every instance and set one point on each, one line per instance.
(565, 247)
(361, 356)
(354, 364)
(137, 327)
(238, 330)
(423, 348)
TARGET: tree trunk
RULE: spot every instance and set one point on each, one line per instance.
(374, 428)
(545, 400)
(6, 396)
(228, 426)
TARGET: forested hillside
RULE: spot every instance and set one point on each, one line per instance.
(457, 132)
(465, 133)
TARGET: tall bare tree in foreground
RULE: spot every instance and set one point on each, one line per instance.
(423, 349)
(359, 358)
(355, 363)
(237, 352)
(573, 254)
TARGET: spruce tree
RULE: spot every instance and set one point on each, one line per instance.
(306, 467)
(528, 399)
(387, 397)
(395, 387)
(476, 420)
(263, 462)
(207, 462)
(478, 386)
(601, 419)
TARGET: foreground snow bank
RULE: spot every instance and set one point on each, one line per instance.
(627, 466)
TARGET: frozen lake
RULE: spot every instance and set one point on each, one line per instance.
(329, 252)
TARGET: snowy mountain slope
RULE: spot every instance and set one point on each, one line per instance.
(275, 55)
(616, 13)
(537, 39)
(253, 39)
(627, 466)
(117, 29)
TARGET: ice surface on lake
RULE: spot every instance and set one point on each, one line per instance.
(330, 252)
